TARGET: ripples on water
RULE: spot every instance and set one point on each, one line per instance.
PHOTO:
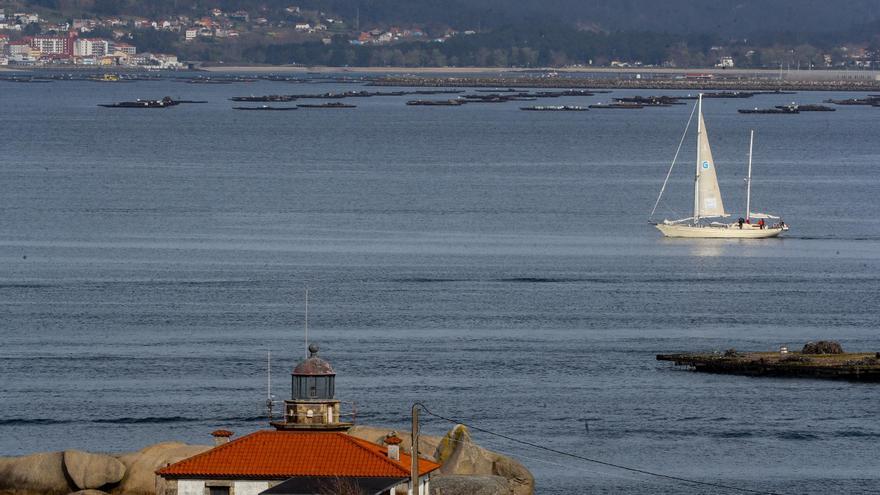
(494, 264)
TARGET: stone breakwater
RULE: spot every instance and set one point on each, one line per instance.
(733, 84)
(466, 468)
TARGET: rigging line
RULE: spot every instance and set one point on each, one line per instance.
(596, 461)
(673, 213)
(674, 158)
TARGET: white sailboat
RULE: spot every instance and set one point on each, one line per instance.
(708, 204)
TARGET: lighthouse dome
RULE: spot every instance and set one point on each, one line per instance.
(313, 365)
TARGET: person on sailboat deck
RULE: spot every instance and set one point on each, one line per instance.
(761, 223)
(740, 222)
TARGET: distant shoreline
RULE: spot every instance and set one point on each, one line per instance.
(372, 70)
(829, 74)
(616, 83)
(607, 78)
(653, 78)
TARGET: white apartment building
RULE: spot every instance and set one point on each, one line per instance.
(50, 44)
(87, 47)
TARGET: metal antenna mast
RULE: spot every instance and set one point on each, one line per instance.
(307, 323)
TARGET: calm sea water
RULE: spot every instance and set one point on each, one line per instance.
(495, 264)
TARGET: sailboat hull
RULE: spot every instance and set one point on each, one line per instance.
(728, 231)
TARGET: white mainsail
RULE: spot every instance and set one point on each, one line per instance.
(708, 201)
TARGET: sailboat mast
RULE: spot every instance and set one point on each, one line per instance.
(749, 178)
(697, 176)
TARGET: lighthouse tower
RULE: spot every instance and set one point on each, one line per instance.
(312, 405)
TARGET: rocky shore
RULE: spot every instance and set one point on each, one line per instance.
(468, 469)
(718, 84)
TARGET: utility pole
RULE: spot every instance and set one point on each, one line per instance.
(414, 453)
(269, 385)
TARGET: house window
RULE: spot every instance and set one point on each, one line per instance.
(218, 490)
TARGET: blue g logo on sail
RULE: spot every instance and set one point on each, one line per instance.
(705, 165)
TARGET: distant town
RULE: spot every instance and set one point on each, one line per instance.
(311, 37)
(29, 40)
(71, 44)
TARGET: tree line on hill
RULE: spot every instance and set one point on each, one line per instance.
(535, 46)
(743, 18)
(545, 45)
(526, 33)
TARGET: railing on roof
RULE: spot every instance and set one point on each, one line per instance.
(347, 413)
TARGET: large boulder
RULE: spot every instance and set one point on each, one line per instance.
(521, 480)
(453, 484)
(87, 470)
(37, 473)
(822, 347)
(141, 466)
(427, 444)
(460, 455)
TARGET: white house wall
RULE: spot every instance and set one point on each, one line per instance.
(190, 487)
(424, 487)
(248, 487)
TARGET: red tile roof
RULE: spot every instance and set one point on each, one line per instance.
(284, 454)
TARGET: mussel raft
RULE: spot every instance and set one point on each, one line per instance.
(863, 367)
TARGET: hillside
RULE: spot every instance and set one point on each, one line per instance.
(416, 33)
(741, 18)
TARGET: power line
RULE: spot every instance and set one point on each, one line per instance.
(596, 461)
(553, 463)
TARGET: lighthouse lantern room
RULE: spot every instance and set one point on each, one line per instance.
(312, 405)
